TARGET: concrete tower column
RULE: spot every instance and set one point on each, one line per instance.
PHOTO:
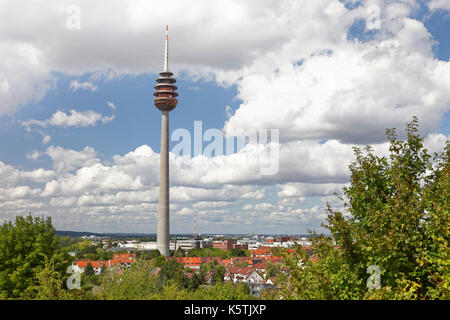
(165, 101)
(163, 206)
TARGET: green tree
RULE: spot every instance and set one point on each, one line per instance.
(159, 261)
(396, 217)
(195, 281)
(218, 273)
(25, 246)
(272, 269)
(135, 284)
(103, 269)
(239, 253)
(51, 285)
(89, 270)
(179, 253)
(173, 270)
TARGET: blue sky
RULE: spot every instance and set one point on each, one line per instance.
(89, 154)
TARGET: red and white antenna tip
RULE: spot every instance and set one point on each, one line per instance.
(166, 58)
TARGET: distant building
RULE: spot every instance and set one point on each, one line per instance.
(224, 245)
(188, 244)
(261, 252)
(270, 240)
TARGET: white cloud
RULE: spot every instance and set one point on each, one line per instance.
(18, 192)
(127, 37)
(76, 85)
(46, 139)
(439, 4)
(351, 93)
(23, 76)
(211, 204)
(39, 175)
(185, 211)
(309, 189)
(34, 155)
(257, 194)
(11, 176)
(111, 105)
(339, 91)
(435, 142)
(65, 160)
(74, 119)
(294, 69)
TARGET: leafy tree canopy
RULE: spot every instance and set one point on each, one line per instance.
(25, 246)
(395, 217)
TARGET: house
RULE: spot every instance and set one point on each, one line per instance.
(191, 262)
(119, 261)
(246, 274)
(81, 265)
(261, 252)
(254, 277)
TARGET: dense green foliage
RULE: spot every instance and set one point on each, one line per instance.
(395, 217)
(170, 283)
(25, 247)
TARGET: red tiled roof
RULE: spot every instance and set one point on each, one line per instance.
(240, 271)
(95, 264)
(124, 256)
(261, 265)
(117, 260)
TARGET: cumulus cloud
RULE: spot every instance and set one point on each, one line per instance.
(18, 192)
(126, 37)
(295, 67)
(76, 85)
(11, 176)
(302, 75)
(211, 204)
(439, 4)
(23, 76)
(65, 160)
(308, 189)
(351, 93)
(74, 119)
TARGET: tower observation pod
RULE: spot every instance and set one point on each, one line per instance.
(165, 95)
(165, 100)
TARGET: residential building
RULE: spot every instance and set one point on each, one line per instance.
(224, 245)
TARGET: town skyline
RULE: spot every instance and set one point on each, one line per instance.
(80, 135)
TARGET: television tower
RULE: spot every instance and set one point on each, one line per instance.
(165, 100)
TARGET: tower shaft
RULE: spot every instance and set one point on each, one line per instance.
(165, 100)
(162, 239)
